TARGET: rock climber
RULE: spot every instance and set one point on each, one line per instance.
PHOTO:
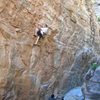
(40, 33)
(52, 97)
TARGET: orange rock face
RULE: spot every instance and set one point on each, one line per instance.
(33, 73)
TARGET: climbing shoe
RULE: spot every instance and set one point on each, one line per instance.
(36, 45)
(35, 35)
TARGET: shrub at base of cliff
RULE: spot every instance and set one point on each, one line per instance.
(94, 67)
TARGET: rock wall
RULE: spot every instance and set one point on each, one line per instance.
(92, 84)
(58, 64)
(97, 7)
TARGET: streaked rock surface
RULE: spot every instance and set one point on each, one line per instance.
(59, 63)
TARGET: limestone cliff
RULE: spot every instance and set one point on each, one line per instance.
(59, 63)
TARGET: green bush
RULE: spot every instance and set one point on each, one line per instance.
(94, 67)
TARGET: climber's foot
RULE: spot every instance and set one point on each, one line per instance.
(36, 45)
(35, 35)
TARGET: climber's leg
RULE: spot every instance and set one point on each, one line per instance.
(40, 35)
(37, 40)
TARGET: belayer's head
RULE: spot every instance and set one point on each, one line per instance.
(52, 96)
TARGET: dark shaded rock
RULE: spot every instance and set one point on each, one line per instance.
(93, 86)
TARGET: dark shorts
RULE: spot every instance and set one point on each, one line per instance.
(39, 34)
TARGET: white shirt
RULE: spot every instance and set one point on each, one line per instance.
(44, 30)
